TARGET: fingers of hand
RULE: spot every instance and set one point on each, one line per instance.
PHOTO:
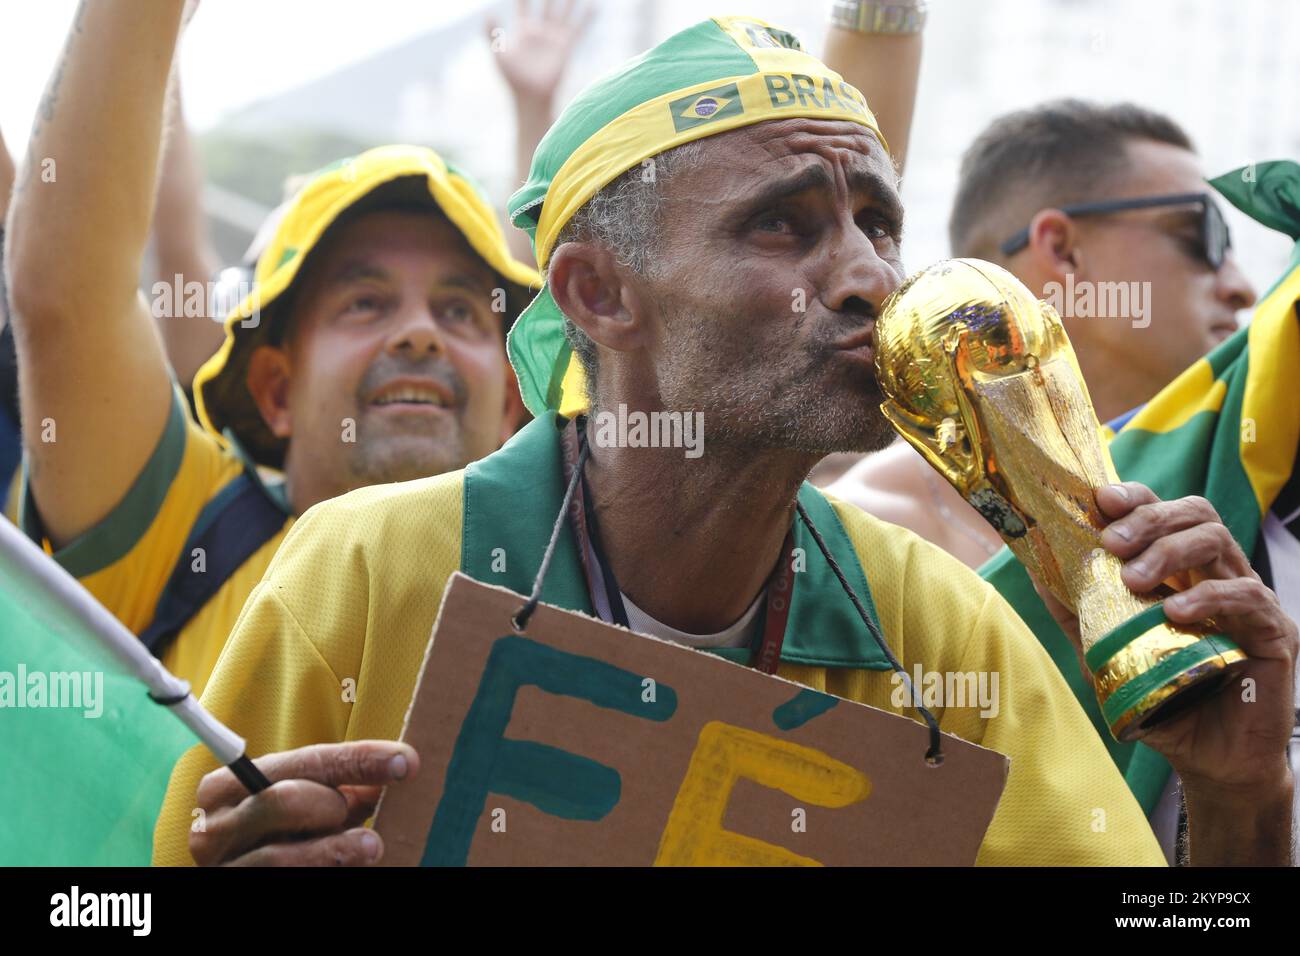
(1208, 549)
(355, 847)
(361, 803)
(1245, 609)
(303, 797)
(1117, 500)
(289, 807)
(355, 762)
(1164, 539)
(1149, 520)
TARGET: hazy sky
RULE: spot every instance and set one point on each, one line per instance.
(235, 51)
(1226, 71)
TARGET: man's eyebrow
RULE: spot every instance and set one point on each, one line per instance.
(355, 271)
(360, 270)
(470, 283)
(813, 177)
(876, 187)
(879, 190)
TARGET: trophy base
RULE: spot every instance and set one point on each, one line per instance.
(1148, 671)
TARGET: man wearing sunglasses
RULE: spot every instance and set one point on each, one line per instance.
(1212, 242)
(1071, 191)
(1104, 212)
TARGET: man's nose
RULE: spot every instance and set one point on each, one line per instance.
(417, 331)
(1231, 285)
(860, 280)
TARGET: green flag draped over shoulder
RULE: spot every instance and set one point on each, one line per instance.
(85, 752)
(1226, 429)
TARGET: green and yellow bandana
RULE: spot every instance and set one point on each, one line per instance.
(717, 76)
(403, 174)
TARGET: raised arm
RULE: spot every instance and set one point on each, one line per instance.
(183, 247)
(532, 54)
(6, 188)
(6, 179)
(95, 384)
(884, 66)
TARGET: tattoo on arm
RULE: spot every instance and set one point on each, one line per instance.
(45, 113)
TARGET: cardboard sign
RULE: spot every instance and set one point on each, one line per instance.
(580, 743)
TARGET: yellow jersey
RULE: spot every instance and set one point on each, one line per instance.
(127, 560)
(330, 644)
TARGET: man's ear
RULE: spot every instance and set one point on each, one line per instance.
(268, 383)
(515, 413)
(596, 293)
(1053, 247)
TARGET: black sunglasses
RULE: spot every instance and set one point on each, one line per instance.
(1214, 238)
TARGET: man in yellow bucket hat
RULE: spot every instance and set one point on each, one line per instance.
(720, 224)
(369, 348)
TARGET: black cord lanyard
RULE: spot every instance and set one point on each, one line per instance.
(766, 654)
(765, 651)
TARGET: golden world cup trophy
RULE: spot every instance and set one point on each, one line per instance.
(980, 378)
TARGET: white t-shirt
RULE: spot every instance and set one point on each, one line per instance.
(737, 635)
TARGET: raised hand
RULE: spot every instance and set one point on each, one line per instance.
(533, 52)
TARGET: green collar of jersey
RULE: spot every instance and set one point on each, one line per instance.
(511, 500)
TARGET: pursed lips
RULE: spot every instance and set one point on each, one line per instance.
(862, 342)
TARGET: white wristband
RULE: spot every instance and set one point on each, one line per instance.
(874, 16)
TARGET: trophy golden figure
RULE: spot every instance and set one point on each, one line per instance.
(980, 378)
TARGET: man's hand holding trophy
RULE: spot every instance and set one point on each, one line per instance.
(1185, 646)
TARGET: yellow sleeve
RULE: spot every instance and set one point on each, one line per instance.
(12, 496)
(329, 645)
(271, 686)
(1065, 803)
(126, 559)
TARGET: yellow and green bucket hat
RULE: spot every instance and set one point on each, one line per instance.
(719, 75)
(407, 174)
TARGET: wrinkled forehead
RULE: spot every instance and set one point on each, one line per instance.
(737, 163)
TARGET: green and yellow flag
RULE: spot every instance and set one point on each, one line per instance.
(1226, 429)
(91, 724)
